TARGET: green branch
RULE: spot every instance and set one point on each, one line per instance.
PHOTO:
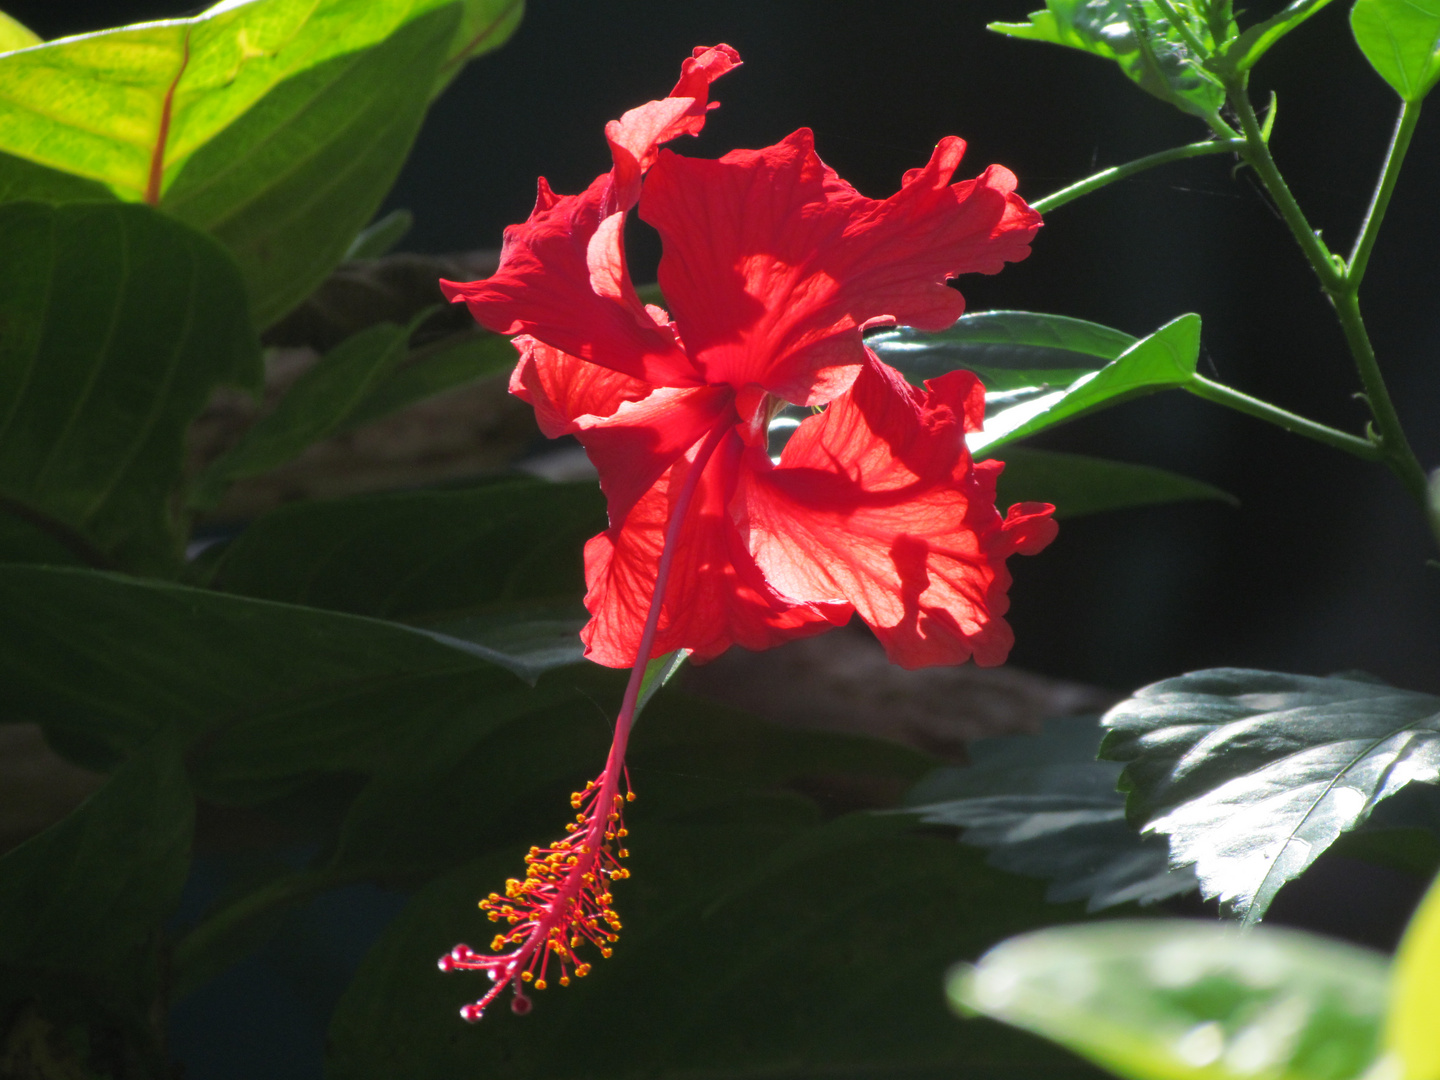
(1139, 165)
(1292, 422)
(1394, 158)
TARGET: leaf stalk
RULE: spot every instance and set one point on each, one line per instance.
(1105, 177)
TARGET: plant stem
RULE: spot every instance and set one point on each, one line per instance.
(1394, 158)
(1120, 172)
(1183, 28)
(1273, 414)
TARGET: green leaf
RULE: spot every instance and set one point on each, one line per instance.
(119, 324)
(1254, 42)
(1163, 361)
(315, 406)
(15, 36)
(1401, 39)
(1138, 36)
(1415, 994)
(1084, 485)
(288, 185)
(21, 179)
(1433, 501)
(757, 941)
(280, 694)
(95, 105)
(423, 556)
(91, 889)
(533, 636)
(432, 369)
(1044, 807)
(1009, 350)
(378, 238)
(1253, 774)
(1181, 1000)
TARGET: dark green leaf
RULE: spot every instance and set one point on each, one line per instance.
(131, 107)
(377, 238)
(117, 326)
(533, 636)
(1163, 361)
(756, 942)
(289, 184)
(1044, 807)
(1138, 36)
(421, 556)
(91, 889)
(1255, 41)
(1188, 1000)
(316, 405)
(21, 179)
(275, 694)
(442, 365)
(1401, 39)
(1009, 350)
(1253, 774)
(1084, 485)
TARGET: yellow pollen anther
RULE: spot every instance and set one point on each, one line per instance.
(539, 984)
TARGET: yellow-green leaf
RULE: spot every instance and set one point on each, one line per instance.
(1412, 1030)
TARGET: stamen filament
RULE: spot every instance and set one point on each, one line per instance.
(564, 900)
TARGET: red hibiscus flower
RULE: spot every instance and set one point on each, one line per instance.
(773, 266)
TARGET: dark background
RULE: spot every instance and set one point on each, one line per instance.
(1322, 566)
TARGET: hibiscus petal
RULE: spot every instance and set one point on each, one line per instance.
(562, 277)
(563, 388)
(719, 596)
(875, 502)
(772, 264)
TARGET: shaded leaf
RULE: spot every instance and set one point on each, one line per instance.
(1253, 774)
(533, 636)
(1043, 806)
(288, 185)
(1165, 360)
(442, 365)
(1138, 36)
(1078, 485)
(1178, 1000)
(274, 694)
(430, 556)
(1255, 41)
(21, 179)
(1401, 39)
(94, 105)
(1009, 350)
(94, 887)
(118, 325)
(1415, 995)
(757, 942)
(317, 404)
(377, 238)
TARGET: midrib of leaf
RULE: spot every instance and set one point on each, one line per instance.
(93, 376)
(30, 367)
(162, 134)
(159, 399)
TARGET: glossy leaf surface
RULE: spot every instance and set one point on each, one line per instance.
(318, 403)
(1401, 39)
(1252, 774)
(1165, 360)
(1415, 995)
(1078, 485)
(1009, 350)
(91, 889)
(757, 941)
(1139, 38)
(1041, 805)
(1179, 1000)
(119, 324)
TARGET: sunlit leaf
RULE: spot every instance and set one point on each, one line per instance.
(317, 404)
(1041, 805)
(14, 35)
(1252, 774)
(1078, 485)
(119, 324)
(1179, 1000)
(1414, 1018)
(89, 890)
(1165, 360)
(1401, 39)
(1255, 41)
(1138, 36)
(1009, 350)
